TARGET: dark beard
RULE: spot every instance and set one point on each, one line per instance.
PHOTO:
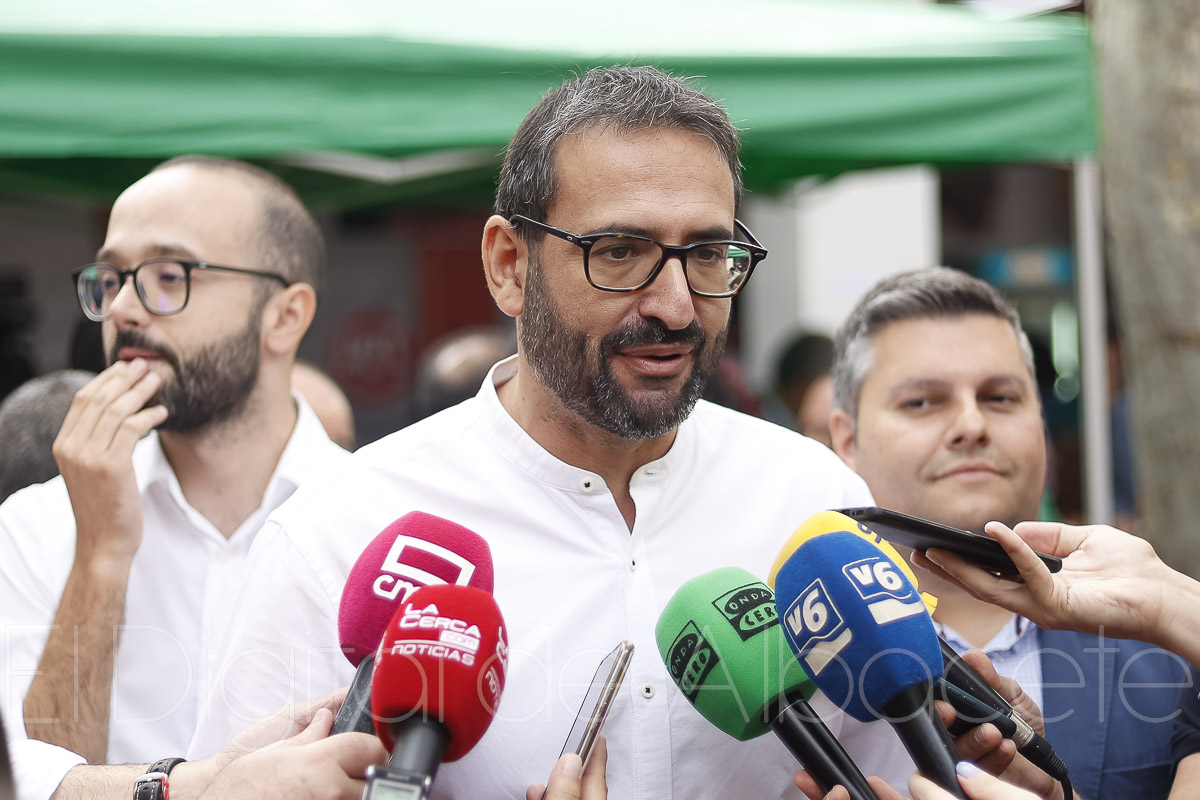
(584, 382)
(212, 386)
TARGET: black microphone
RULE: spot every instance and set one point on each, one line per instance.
(977, 702)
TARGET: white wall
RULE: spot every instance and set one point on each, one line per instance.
(829, 243)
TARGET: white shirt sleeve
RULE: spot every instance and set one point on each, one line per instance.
(39, 767)
(37, 547)
(281, 645)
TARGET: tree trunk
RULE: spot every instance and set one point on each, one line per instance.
(1149, 78)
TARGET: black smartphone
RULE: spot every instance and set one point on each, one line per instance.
(921, 534)
(598, 701)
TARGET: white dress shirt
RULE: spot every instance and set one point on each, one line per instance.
(180, 595)
(570, 579)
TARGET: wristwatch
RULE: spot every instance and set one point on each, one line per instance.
(154, 785)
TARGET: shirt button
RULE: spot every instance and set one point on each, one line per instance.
(647, 690)
(586, 484)
(224, 555)
(633, 565)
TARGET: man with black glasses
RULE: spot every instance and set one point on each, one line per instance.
(599, 478)
(116, 577)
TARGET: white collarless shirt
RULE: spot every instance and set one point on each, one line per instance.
(180, 595)
(570, 579)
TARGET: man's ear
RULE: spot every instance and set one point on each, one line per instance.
(286, 317)
(841, 432)
(505, 258)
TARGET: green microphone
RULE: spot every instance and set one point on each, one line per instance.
(720, 639)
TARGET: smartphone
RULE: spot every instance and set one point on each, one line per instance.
(921, 534)
(597, 702)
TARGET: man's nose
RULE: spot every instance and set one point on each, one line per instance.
(970, 423)
(668, 298)
(126, 309)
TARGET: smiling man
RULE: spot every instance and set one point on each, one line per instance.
(935, 405)
(599, 479)
(115, 577)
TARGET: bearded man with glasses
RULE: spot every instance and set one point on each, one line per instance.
(599, 478)
(115, 577)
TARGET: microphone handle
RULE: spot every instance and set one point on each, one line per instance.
(807, 737)
(912, 714)
(418, 744)
(355, 713)
(1029, 743)
(964, 676)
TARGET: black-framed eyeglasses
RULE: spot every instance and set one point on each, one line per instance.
(163, 284)
(622, 262)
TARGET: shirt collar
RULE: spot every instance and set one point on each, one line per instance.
(511, 440)
(1017, 630)
(298, 461)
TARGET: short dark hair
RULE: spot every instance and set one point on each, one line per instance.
(30, 418)
(806, 357)
(290, 241)
(624, 98)
(927, 293)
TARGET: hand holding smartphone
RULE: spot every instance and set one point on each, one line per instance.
(597, 702)
(922, 534)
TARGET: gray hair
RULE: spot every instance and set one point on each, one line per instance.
(289, 239)
(920, 294)
(621, 98)
(29, 421)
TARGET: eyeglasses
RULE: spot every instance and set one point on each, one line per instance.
(163, 284)
(621, 262)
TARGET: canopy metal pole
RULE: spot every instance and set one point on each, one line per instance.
(1093, 338)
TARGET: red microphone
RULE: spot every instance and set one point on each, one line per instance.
(438, 677)
(416, 550)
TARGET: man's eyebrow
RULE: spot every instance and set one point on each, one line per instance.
(916, 385)
(107, 254)
(702, 235)
(1005, 379)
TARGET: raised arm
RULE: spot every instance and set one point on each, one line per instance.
(1110, 579)
(69, 700)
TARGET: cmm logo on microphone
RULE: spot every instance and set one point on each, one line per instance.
(690, 659)
(411, 563)
(750, 609)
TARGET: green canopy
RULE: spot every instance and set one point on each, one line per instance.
(362, 102)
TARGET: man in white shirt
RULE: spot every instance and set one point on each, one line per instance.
(936, 406)
(116, 577)
(586, 460)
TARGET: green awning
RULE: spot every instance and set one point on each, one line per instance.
(364, 102)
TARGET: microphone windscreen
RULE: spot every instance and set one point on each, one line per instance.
(824, 522)
(416, 550)
(856, 623)
(720, 639)
(442, 657)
